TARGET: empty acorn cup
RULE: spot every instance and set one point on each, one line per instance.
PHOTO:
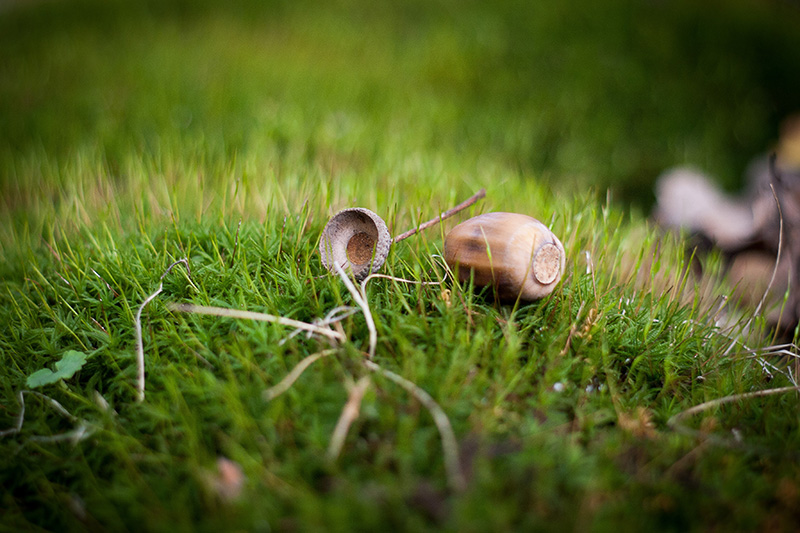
(515, 254)
(357, 239)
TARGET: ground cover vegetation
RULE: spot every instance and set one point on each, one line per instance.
(135, 135)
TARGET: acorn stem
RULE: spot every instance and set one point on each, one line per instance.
(447, 214)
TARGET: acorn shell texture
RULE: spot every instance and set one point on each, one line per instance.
(516, 254)
(357, 239)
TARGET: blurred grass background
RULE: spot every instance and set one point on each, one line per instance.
(605, 94)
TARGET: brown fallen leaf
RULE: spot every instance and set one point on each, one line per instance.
(690, 201)
(755, 230)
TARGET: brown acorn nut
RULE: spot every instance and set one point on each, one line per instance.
(516, 254)
(357, 239)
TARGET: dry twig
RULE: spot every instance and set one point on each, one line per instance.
(81, 431)
(455, 475)
(286, 383)
(349, 415)
(361, 301)
(675, 422)
(250, 315)
(138, 328)
(446, 214)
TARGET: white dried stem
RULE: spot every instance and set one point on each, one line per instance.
(251, 315)
(676, 421)
(140, 344)
(349, 414)
(778, 255)
(138, 328)
(401, 280)
(337, 314)
(361, 301)
(334, 316)
(455, 475)
(291, 377)
(81, 431)
(765, 365)
(443, 263)
(20, 417)
(76, 435)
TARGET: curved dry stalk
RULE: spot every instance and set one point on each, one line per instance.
(455, 475)
(138, 328)
(79, 433)
(775, 350)
(403, 280)
(286, 383)
(778, 255)
(361, 301)
(675, 421)
(336, 314)
(349, 414)
(765, 365)
(251, 315)
(82, 431)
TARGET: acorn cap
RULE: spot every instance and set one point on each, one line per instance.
(357, 239)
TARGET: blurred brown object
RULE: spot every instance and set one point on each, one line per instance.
(747, 228)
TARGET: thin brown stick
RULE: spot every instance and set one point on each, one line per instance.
(447, 214)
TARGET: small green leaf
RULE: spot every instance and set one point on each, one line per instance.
(41, 377)
(70, 363)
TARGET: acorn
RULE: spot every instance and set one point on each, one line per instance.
(515, 254)
(357, 239)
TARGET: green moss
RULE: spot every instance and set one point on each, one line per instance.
(135, 134)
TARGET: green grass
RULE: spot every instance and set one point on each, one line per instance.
(136, 134)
